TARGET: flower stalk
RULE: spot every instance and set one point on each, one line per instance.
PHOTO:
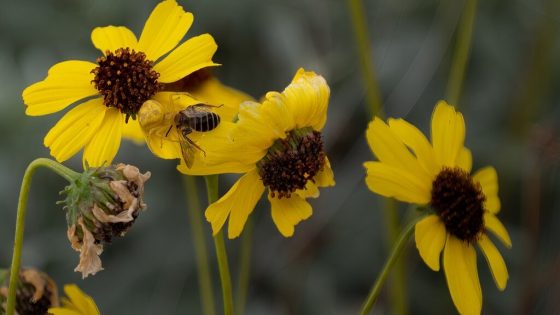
(373, 97)
(201, 250)
(219, 244)
(61, 170)
(462, 52)
(244, 266)
(398, 249)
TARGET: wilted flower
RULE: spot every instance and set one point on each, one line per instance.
(102, 203)
(36, 292)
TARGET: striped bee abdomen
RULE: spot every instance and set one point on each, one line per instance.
(204, 121)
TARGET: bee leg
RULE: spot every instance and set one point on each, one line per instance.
(195, 145)
(168, 130)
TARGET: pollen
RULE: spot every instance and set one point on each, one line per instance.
(292, 161)
(126, 79)
(459, 202)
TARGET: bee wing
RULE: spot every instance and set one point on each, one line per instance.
(201, 107)
(187, 149)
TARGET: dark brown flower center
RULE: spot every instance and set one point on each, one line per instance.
(292, 161)
(126, 79)
(459, 202)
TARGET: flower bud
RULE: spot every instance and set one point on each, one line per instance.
(36, 293)
(103, 202)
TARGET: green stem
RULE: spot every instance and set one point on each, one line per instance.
(397, 287)
(364, 50)
(200, 248)
(462, 51)
(244, 266)
(395, 254)
(219, 244)
(61, 170)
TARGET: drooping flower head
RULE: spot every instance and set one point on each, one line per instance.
(438, 175)
(76, 302)
(101, 204)
(36, 292)
(278, 146)
(111, 91)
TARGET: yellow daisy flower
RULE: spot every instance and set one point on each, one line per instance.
(437, 174)
(156, 117)
(112, 90)
(76, 303)
(278, 145)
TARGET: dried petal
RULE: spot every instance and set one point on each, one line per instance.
(90, 263)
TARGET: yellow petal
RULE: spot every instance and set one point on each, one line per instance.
(307, 99)
(132, 131)
(310, 191)
(394, 182)
(167, 25)
(81, 301)
(488, 179)
(238, 203)
(254, 130)
(495, 261)
(417, 142)
(111, 38)
(430, 235)
(287, 212)
(212, 91)
(194, 54)
(325, 177)
(62, 311)
(493, 224)
(75, 129)
(220, 154)
(459, 263)
(104, 145)
(66, 83)
(464, 160)
(390, 150)
(249, 192)
(200, 169)
(448, 133)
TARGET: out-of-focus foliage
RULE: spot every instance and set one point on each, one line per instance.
(510, 100)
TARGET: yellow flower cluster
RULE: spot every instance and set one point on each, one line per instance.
(159, 91)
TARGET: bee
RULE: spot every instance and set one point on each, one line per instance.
(198, 117)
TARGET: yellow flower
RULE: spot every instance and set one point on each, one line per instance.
(278, 145)
(412, 169)
(76, 303)
(156, 117)
(112, 90)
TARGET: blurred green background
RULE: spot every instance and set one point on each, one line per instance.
(510, 101)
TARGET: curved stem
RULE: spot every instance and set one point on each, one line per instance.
(201, 250)
(61, 170)
(395, 254)
(219, 244)
(461, 55)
